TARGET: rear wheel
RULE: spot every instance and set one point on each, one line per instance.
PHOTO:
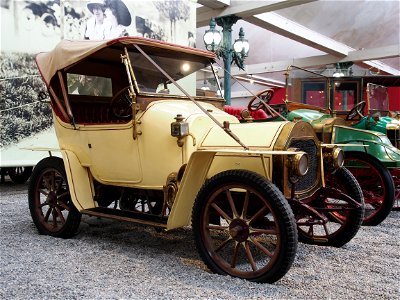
(376, 184)
(19, 174)
(50, 201)
(339, 217)
(244, 227)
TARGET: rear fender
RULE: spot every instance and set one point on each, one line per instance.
(79, 182)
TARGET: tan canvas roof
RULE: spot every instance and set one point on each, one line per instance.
(68, 52)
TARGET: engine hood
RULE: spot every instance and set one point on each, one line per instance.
(253, 135)
(377, 144)
(307, 115)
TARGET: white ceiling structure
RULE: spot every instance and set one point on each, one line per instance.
(311, 33)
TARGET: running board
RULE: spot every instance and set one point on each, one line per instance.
(126, 215)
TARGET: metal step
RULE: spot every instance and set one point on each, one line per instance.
(126, 215)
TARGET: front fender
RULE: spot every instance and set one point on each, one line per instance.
(203, 164)
(389, 156)
(376, 144)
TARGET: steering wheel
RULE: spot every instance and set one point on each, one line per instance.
(356, 110)
(265, 95)
(121, 104)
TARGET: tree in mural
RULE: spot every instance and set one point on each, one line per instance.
(174, 10)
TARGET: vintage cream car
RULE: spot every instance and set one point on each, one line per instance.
(141, 143)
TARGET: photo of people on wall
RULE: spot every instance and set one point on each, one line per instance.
(110, 20)
(35, 26)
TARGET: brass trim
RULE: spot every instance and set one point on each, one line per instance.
(296, 131)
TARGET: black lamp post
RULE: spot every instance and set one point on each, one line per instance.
(230, 53)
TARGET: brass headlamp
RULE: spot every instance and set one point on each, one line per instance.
(333, 157)
(298, 164)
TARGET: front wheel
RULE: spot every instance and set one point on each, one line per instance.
(50, 202)
(340, 211)
(376, 184)
(244, 227)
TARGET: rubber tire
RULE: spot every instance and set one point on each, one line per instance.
(19, 178)
(354, 219)
(74, 216)
(278, 204)
(388, 183)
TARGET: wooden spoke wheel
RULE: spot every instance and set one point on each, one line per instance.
(342, 217)
(376, 184)
(244, 227)
(19, 174)
(50, 202)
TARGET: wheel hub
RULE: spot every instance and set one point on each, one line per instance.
(239, 230)
(52, 198)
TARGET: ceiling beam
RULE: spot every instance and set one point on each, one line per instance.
(243, 9)
(294, 31)
(214, 4)
(259, 13)
(366, 57)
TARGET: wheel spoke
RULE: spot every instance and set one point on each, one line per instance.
(310, 231)
(54, 213)
(43, 204)
(263, 231)
(60, 215)
(326, 229)
(261, 247)
(53, 181)
(338, 220)
(46, 217)
(221, 212)
(250, 256)
(224, 243)
(258, 214)
(46, 182)
(232, 204)
(216, 227)
(245, 204)
(235, 255)
(59, 186)
(63, 205)
(43, 192)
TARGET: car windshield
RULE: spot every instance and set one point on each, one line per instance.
(377, 98)
(194, 74)
(312, 87)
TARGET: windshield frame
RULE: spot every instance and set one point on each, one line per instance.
(150, 82)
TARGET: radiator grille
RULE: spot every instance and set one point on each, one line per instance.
(310, 179)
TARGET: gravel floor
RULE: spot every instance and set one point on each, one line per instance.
(117, 260)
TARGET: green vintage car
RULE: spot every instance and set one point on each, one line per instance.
(370, 156)
(362, 101)
(368, 141)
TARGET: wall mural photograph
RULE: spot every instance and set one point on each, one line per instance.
(30, 27)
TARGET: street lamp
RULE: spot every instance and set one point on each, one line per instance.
(230, 53)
